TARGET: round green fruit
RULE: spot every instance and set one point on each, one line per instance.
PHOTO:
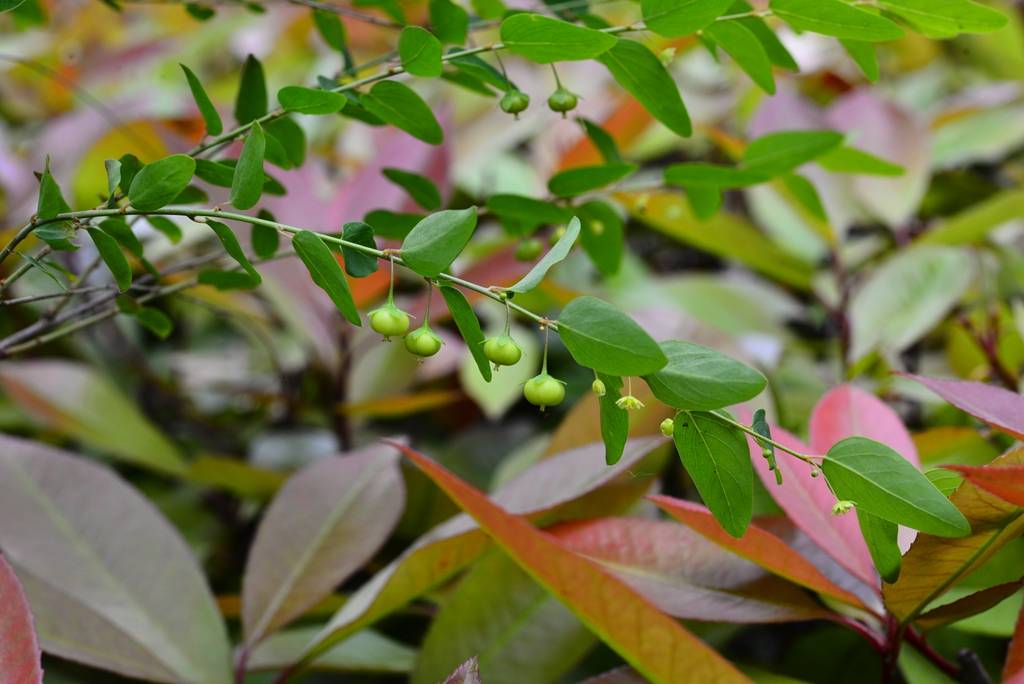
(543, 390)
(423, 342)
(514, 102)
(502, 351)
(562, 101)
(389, 321)
(528, 250)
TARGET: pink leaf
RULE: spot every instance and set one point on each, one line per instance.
(19, 650)
(1000, 408)
(467, 673)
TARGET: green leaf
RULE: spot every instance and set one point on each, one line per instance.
(286, 143)
(602, 140)
(234, 249)
(329, 25)
(160, 182)
(715, 176)
(744, 47)
(420, 188)
(265, 239)
(113, 257)
(697, 378)
(614, 420)
(474, 66)
(209, 113)
(8, 5)
(805, 194)
(120, 230)
(51, 203)
(155, 321)
(946, 18)
(363, 652)
(392, 225)
(883, 483)
(704, 201)
(863, 55)
(399, 105)
(167, 227)
(677, 18)
(545, 40)
(527, 211)
(359, 264)
(602, 235)
(583, 179)
(717, 457)
(227, 280)
(130, 165)
(247, 181)
(437, 240)
(449, 21)
(835, 18)
(469, 327)
(881, 538)
(251, 101)
(778, 153)
(420, 52)
(845, 159)
(773, 47)
(326, 272)
(310, 100)
(601, 337)
(642, 74)
(555, 255)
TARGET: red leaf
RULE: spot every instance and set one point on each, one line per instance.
(757, 545)
(466, 673)
(1000, 408)
(19, 650)
(1006, 482)
(651, 641)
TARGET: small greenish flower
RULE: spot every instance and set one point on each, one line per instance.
(629, 403)
(842, 507)
(599, 388)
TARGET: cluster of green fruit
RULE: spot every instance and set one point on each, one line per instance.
(390, 321)
(561, 101)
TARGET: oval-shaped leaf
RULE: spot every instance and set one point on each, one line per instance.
(677, 18)
(323, 267)
(946, 18)
(113, 257)
(359, 264)
(247, 181)
(555, 255)
(642, 74)
(714, 176)
(614, 419)
(715, 455)
(310, 100)
(324, 524)
(778, 153)
(251, 100)
(234, 249)
(87, 548)
(697, 378)
(159, 183)
(882, 539)
(835, 18)
(211, 117)
(879, 480)
(545, 40)
(437, 241)
(601, 337)
(1000, 408)
(19, 650)
(746, 50)
(578, 181)
(397, 104)
(420, 188)
(420, 52)
(469, 327)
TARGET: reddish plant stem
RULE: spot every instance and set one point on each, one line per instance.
(924, 648)
(988, 342)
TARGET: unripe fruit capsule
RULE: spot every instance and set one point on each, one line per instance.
(544, 390)
(389, 321)
(423, 342)
(514, 102)
(562, 101)
(502, 351)
(668, 427)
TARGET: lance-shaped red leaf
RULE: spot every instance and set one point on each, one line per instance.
(1013, 668)
(19, 650)
(758, 545)
(651, 641)
(1006, 482)
(1000, 408)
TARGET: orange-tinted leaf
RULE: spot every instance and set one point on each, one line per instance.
(1006, 482)
(401, 405)
(969, 605)
(935, 564)
(757, 545)
(19, 650)
(648, 639)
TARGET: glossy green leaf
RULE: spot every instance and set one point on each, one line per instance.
(697, 378)
(51, 203)
(359, 264)
(399, 105)
(247, 181)
(881, 538)
(419, 187)
(527, 211)
(437, 241)
(119, 229)
(677, 18)
(773, 46)
(642, 74)
(946, 18)
(449, 22)
(864, 56)
(420, 52)
(159, 183)
(601, 337)
(805, 194)
(310, 100)
(704, 201)
(251, 100)
(555, 255)
(835, 18)
(713, 176)
(265, 239)
(209, 113)
(155, 321)
(602, 235)
(602, 140)
(391, 224)
(778, 153)
(717, 458)
(286, 143)
(614, 420)
(744, 47)
(545, 40)
(113, 257)
(469, 327)
(883, 483)
(166, 227)
(845, 159)
(326, 272)
(330, 28)
(234, 249)
(584, 179)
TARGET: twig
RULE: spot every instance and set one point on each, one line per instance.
(348, 12)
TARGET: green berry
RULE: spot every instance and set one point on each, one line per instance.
(423, 342)
(389, 321)
(562, 101)
(668, 427)
(544, 390)
(599, 388)
(502, 351)
(556, 235)
(514, 102)
(528, 250)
